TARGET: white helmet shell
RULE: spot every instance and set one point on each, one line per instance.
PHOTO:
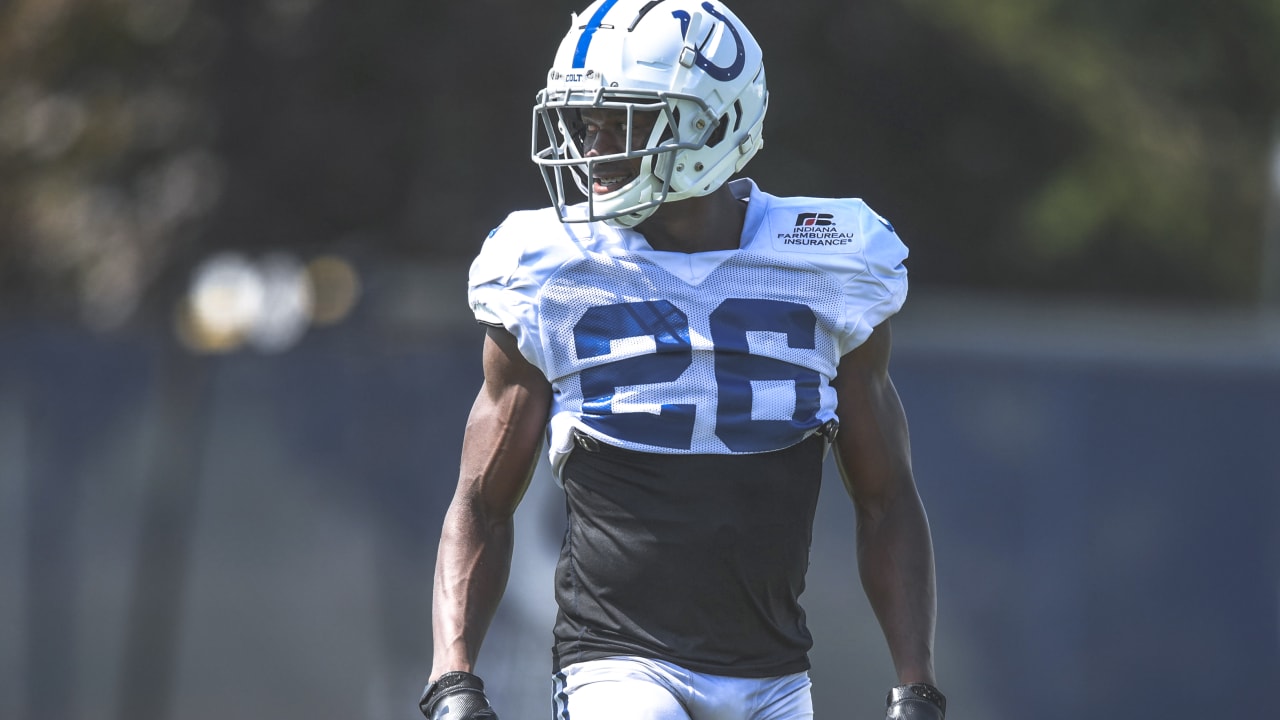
(691, 61)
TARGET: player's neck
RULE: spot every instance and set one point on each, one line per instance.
(699, 224)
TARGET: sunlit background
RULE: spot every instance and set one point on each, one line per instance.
(236, 358)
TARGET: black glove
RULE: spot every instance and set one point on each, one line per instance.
(916, 701)
(456, 696)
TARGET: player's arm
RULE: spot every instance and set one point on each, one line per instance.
(895, 550)
(499, 450)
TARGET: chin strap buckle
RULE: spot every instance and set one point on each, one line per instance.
(829, 429)
(585, 441)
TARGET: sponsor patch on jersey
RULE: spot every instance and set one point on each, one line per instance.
(815, 232)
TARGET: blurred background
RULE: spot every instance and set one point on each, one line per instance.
(236, 358)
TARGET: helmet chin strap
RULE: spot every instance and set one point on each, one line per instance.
(654, 170)
(631, 219)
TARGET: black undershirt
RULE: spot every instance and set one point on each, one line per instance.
(698, 560)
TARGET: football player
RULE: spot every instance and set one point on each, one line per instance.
(690, 348)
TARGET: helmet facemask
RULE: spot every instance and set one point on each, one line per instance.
(692, 62)
(558, 147)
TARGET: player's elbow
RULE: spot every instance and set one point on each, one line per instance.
(874, 502)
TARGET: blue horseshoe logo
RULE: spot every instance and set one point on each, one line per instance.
(723, 74)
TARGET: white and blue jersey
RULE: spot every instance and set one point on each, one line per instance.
(722, 352)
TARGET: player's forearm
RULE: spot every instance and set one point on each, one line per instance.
(472, 566)
(504, 432)
(895, 562)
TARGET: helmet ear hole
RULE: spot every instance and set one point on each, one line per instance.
(721, 130)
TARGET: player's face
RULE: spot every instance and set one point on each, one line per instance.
(605, 133)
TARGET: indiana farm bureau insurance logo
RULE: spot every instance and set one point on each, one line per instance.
(808, 219)
(815, 229)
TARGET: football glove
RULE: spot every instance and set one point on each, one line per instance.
(456, 696)
(916, 701)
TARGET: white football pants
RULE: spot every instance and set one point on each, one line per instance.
(633, 688)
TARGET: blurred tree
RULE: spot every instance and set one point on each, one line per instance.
(1171, 106)
(106, 165)
(1018, 144)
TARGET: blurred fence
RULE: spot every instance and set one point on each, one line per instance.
(252, 535)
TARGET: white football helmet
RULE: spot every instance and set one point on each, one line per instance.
(690, 61)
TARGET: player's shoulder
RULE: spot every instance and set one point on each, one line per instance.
(848, 240)
(837, 205)
(530, 245)
(525, 228)
(825, 226)
(522, 237)
(544, 230)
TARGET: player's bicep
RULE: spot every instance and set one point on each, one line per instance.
(504, 430)
(873, 448)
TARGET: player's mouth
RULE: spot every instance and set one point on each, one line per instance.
(606, 183)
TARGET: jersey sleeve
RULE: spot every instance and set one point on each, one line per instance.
(880, 289)
(501, 290)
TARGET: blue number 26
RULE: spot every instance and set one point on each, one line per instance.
(735, 369)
